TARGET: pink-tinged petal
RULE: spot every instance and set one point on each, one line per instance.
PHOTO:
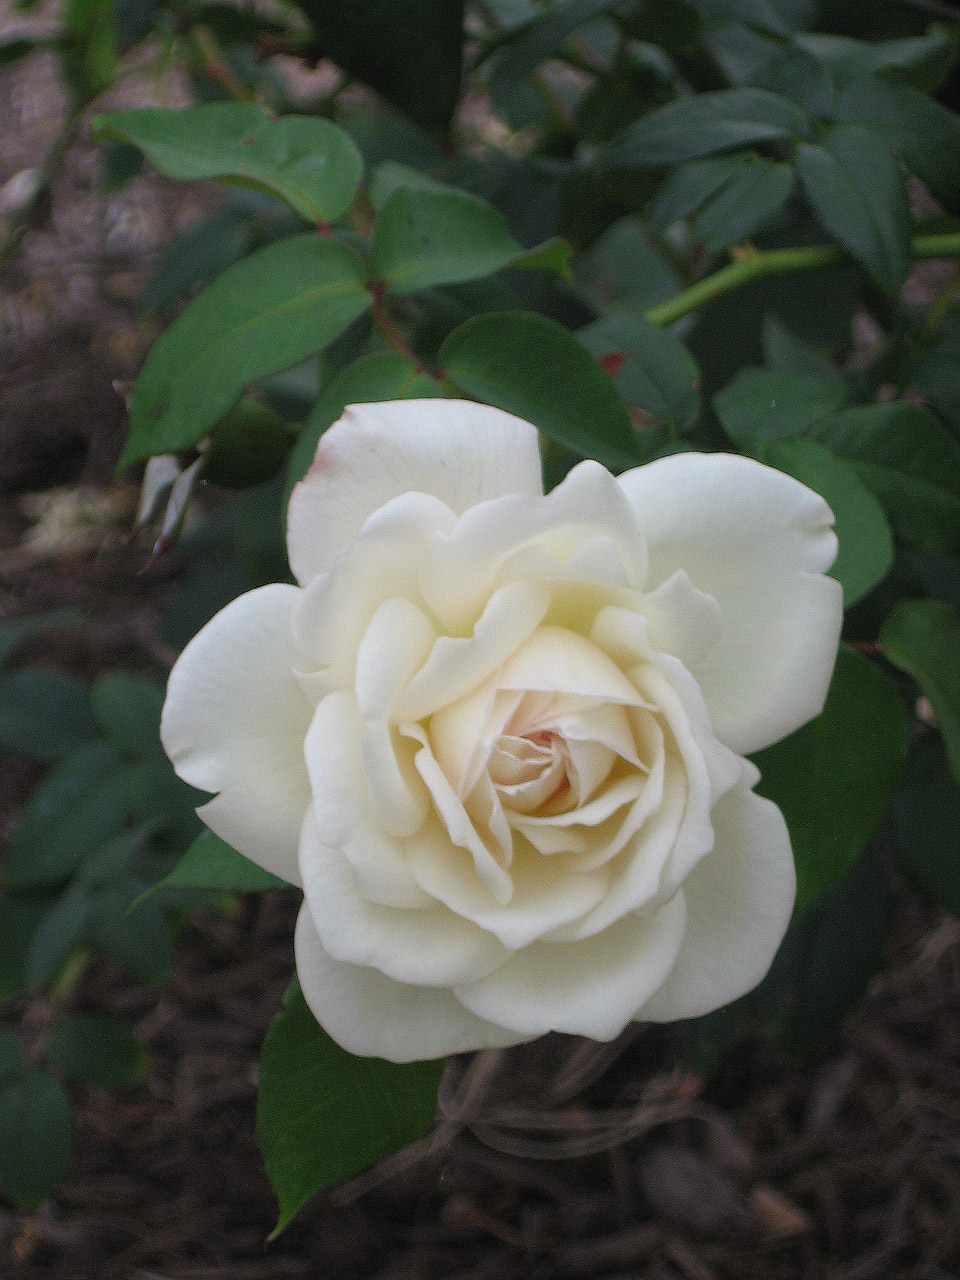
(371, 1015)
(759, 543)
(234, 722)
(460, 452)
(739, 900)
(589, 988)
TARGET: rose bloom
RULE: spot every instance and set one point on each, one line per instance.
(498, 737)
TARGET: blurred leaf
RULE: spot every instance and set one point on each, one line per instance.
(134, 932)
(866, 543)
(757, 192)
(797, 75)
(266, 313)
(36, 1135)
(80, 804)
(541, 39)
(127, 709)
(158, 796)
(924, 134)
(626, 268)
(20, 916)
(88, 55)
(17, 630)
(705, 123)
(921, 61)
(308, 162)
(786, 353)
(659, 374)
(324, 1114)
(533, 367)
(687, 186)
(933, 367)
(763, 405)
(13, 48)
(409, 53)
(62, 927)
(391, 176)
(97, 1051)
(926, 824)
(210, 863)
(907, 459)
(834, 778)
(206, 590)
(856, 188)
(197, 255)
(11, 1056)
(752, 13)
(249, 446)
(43, 714)
(385, 375)
(922, 638)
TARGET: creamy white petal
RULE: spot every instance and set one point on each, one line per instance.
(429, 946)
(234, 721)
(682, 621)
(759, 543)
(370, 1014)
(555, 660)
(589, 988)
(739, 900)
(460, 452)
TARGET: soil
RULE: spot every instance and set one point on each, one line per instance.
(559, 1159)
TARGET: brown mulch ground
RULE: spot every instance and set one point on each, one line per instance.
(845, 1170)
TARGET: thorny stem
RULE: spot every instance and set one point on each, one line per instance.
(756, 265)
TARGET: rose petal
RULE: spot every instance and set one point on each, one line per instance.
(234, 722)
(758, 542)
(460, 452)
(739, 900)
(589, 988)
(370, 1014)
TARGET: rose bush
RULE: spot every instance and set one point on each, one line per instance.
(498, 737)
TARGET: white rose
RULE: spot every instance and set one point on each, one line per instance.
(498, 736)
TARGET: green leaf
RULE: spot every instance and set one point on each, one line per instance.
(20, 916)
(17, 630)
(127, 709)
(834, 778)
(866, 543)
(921, 61)
(266, 313)
(854, 184)
(197, 255)
(43, 714)
(542, 39)
(758, 191)
(425, 238)
(688, 186)
(933, 366)
(36, 1135)
(385, 375)
(210, 863)
(249, 446)
(763, 405)
(11, 1057)
(80, 805)
(62, 927)
(96, 1051)
(763, 14)
(87, 47)
(133, 931)
(533, 367)
(926, 824)
(391, 176)
(786, 353)
(324, 1114)
(797, 75)
(705, 123)
(625, 266)
(922, 638)
(907, 459)
(659, 374)
(308, 162)
(924, 134)
(409, 53)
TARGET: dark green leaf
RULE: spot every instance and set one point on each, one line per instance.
(625, 266)
(17, 630)
(763, 14)
(43, 714)
(96, 1051)
(926, 824)
(855, 186)
(306, 161)
(705, 123)
(542, 39)
(249, 446)
(386, 375)
(659, 373)
(834, 778)
(324, 1114)
(210, 863)
(423, 238)
(533, 367)
(920, 61)
(799, 76)
(688, 186)
(786, 353)
(907, 459)
(11, 1057)
(266, 313)
(36, 1134)
(757, 192)
(922, 638)
(923, 133)
(20, 916)
(391, 176)
(80, 805)
(87, 47)
(866, 543)
(127, 709)
(61, 928)
(14, 48)
(132, 931)
(934, 368)
(409, 53)
(763, 405)
(197, 255)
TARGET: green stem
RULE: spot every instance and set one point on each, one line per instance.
(774, 262)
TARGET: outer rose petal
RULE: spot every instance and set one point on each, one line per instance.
(739, 900)
(370, 1014)
(234, 722)
(759, 542)
(460, 452)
